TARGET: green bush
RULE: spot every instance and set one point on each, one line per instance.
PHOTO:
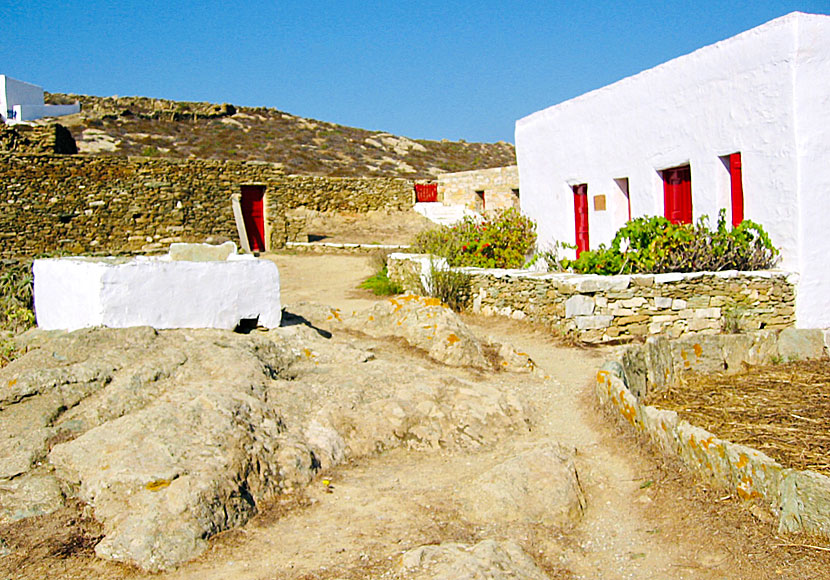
(450, 286)
(16, 302)
(501, 240)
(655, 245)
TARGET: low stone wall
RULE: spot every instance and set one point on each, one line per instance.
(115, 205)
(799, 499)
(598, 309)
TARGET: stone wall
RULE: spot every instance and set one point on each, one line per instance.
(35, 139)
(799, 499)
(114, 205)
(499, 184)
(598, 309)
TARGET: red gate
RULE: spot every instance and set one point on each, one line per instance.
(581, 217)
(426, 192)
(253, 215)
(677, 194)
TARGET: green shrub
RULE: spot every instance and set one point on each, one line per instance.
(450, 286)
(16, 303)
(501, 240)
(655, 245)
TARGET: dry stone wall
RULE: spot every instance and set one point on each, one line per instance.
(112, 205)
(604, 308)
(799, 499)
(598, 309)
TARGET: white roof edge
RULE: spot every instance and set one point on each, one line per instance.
(781, 21)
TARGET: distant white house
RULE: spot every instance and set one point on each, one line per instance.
(743, 124)
(21, 101)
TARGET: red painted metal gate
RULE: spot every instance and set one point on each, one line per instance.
(426, 192)
(677, 194)
(253, 215)
(581, 217)
(737, 189)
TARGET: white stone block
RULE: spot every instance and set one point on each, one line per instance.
(635, 302)
(579, 305)
(595, 283)
(678, 304)
(73, 293)
(593, 322)
(707, 313)
(662, 302)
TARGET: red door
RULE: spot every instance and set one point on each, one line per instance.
(737, 189)
(254, 216)
(677, 194)
(581, 217)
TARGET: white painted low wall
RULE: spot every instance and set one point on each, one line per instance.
(80, 292)
(34, 112)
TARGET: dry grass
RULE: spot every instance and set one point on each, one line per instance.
(780, 410)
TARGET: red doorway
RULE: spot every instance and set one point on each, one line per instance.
(581, 217)
(737, 188)
(677, 194)
(253, 214)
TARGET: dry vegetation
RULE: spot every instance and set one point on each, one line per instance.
(142, 126)
(780, 410)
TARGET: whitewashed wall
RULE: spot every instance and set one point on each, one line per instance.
(14, 92)
(737, 95)
(812, 112)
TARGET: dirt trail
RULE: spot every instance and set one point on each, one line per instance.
(380, 507)
(641, 520)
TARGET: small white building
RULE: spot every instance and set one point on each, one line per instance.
(743, 124)
(21, 101)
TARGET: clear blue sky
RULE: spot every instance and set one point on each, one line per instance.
(432, 69)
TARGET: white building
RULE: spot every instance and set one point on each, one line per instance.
(21, 101)
(743, 124)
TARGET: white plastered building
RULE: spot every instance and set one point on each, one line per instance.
(21, 101)
(741, 125)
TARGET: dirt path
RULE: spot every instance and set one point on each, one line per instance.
(642, 520)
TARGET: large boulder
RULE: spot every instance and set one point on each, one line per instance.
(540, 485)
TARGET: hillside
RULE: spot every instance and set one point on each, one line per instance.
(156, 127)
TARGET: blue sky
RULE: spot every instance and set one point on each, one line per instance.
(432, 69)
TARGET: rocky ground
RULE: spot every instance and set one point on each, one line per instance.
(363, 439)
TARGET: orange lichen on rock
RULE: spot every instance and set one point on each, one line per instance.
(452, 338)
(157, 484)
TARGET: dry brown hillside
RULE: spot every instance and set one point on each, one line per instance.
(150, 127)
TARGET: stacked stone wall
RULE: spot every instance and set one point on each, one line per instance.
(799, 499)
(115, 205)
(598, 309)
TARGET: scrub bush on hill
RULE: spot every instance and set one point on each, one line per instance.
(655, 245)
(501, 240)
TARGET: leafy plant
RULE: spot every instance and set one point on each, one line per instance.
(654, 244)
(450, 286)
(16, 303)
(501, 240)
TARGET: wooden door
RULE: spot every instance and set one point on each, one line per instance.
(581, 217)
(737, 189)
(677, 194)
(253, 214)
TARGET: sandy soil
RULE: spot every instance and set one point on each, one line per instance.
(644, 518)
